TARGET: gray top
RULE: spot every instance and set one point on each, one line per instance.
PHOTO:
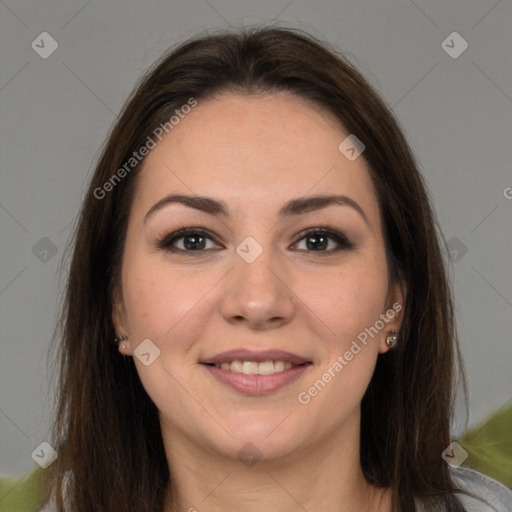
(491, 496)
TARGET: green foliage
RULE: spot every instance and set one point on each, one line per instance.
(489, 446)
(22, 494)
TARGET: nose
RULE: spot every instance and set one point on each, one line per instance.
(258, 294)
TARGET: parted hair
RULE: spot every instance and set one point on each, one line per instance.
(106, 430)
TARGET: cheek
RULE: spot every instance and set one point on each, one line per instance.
(169, 304)
(350, 305)
(347, 300)
(352, 301)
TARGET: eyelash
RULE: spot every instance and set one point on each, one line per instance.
(165, 242)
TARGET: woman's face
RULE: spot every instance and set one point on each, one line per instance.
(248, 284)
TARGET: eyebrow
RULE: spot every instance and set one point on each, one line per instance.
(293, 207)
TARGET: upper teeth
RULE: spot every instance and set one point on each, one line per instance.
(255, 368)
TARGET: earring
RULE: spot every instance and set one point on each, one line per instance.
(123, 346)
(122, 338)
(391, 339)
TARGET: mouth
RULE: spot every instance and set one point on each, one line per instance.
(254, 367)
(256, 373)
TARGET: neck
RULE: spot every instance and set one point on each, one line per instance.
(317, 478)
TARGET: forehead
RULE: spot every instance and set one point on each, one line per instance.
(254, 150)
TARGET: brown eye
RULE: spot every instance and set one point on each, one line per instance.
(317, 240)
(194, 240)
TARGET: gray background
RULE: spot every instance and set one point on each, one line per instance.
(56, 113)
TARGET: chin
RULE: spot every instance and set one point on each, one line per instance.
(260, 439)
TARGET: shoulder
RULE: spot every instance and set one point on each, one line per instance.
(490, 495)
(486, 494)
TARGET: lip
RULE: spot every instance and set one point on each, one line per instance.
(257, 356)
(257, 384)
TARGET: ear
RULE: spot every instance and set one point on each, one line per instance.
(120, 323)
(393, 316)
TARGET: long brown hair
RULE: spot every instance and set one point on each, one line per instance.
(106, 431)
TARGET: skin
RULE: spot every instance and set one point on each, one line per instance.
(255, 153)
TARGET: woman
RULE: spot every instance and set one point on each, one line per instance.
(257, 312)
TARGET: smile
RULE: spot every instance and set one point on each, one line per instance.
(256, 378)
(255, 367)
